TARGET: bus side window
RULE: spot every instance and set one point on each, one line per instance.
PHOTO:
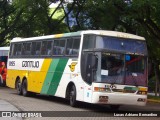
(23, 49)
(69, 47)
(12, 50)
(33, 48)
(88, 41)
(62, 46)
(26, 49)
(73, 46)
(46, 48)
(76, 45)
(55, 47)
(36, 47)
(59, 47)
(18, 52)
(11, 53)
(49, 47)
(17, 49)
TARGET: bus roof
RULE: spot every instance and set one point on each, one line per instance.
(78, 33)
(114, 34)
(4, 48)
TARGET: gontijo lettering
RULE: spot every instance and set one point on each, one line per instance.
(31, 64)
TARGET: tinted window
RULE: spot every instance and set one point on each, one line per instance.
(17, 49)
(11, 50)
(46, 48)
(59, 47)
(121, 44)
(36, 48)
(69, 47)
(26, 49)
(88, 41)
(76, 45)
(73, 46)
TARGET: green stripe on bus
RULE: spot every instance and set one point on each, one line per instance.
(72, 34)
(57, 76)
(49, 76)
(53, 76)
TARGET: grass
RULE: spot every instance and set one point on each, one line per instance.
(154, 97)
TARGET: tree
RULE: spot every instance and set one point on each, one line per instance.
(27, 18)
(6, 27)
(141, 17)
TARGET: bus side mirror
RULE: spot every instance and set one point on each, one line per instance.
(92, 61)
(89, 65)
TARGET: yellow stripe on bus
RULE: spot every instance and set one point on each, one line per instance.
(35, 79)
(39, 77)
(58, 35)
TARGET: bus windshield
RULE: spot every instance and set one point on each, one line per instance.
(117, 68)
(120, 60)
(121, 44)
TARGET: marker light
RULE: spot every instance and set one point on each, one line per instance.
(101, 89)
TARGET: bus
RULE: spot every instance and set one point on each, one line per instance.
(92, 66)
(3, 64)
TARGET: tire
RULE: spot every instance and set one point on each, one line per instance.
(18, 87)
(24, 88)
(72, 96)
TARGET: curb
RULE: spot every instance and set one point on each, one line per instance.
(151, 100)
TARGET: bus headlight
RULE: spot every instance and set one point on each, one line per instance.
(101, 89)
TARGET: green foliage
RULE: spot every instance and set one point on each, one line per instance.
(95, 14)
(151, 84)
(154, 97)
(6, 10)
(28, 18)
(59, 13)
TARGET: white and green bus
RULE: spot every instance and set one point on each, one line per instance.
(93, 66)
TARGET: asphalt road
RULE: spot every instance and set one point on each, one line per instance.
(60, 109)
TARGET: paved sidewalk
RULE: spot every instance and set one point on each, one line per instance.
(6, 106)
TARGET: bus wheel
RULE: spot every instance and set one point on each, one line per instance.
(24, 88)
(18, 87)
(114, 107)
(72, 96)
